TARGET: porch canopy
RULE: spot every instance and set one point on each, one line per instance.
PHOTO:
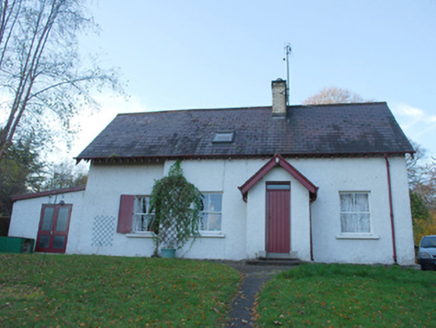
(278, 160)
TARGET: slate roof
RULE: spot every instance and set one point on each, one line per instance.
(338, 129)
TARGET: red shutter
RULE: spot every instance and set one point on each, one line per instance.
(125, 214)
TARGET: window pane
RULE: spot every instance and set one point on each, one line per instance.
(151, 225)
(362, 224)
(47, 219)
(361, 203)
(137, 224)
(215, 202)
(59, 242)
(142, 220)
(43, 241)
(346, 203)
(204, 222)
(357, 202)
(205, 202)
(211, 212)
(348, 223)
(223, 137)
(142, 205)
(355, 223)
(278, 186)
(214, 222)
(61, 224)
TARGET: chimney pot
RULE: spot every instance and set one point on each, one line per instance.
(279, 97)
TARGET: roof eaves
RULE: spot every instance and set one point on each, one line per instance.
(141, 159)
(48, 193)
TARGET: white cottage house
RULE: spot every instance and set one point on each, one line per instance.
(324, 183)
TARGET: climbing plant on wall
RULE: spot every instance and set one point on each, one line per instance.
(176, 204)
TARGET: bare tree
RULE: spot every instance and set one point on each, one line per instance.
(41, 75)
(421, 170)
(63, 175)
(416, 165)
(333, 95)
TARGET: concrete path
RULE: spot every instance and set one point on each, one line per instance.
(254, 278)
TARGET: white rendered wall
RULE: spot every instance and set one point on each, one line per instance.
(402, 213)
(243, 224)
(219, 176)
(106, 183)
(26, 214)
(359, 174)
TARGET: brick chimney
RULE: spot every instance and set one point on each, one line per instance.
(278, 97)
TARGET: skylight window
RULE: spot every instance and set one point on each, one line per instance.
(223, 137)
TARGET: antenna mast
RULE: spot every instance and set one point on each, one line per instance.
(288, 50)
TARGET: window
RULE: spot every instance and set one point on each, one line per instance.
(355, 212)
(211, 212)
(142, 219)
(223, 137)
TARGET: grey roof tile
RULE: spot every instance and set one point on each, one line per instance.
(339, 129)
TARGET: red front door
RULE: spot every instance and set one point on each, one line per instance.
(53, 228)
(278, 218)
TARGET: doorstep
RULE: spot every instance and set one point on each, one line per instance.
(272, 261)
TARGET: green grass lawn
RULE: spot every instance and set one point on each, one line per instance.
(73, 290)
(349, 296)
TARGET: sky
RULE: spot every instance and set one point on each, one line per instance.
(188, 54)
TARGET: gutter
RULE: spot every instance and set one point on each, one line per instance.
(157, 158)
(391, 208)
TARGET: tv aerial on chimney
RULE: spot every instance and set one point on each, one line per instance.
(288, 50)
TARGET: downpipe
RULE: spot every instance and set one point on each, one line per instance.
(391, 208)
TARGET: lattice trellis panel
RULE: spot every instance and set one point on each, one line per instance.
(103, 231)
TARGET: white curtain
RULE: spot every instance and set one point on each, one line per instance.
(141, 215)
(355, 216)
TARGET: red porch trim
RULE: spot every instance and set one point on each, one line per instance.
(278, 160)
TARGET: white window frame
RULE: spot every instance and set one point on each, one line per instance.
(137, 216)
(149, 234)
(212, 233)
(356, 235)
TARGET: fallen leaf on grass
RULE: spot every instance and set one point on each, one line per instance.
(6, 305)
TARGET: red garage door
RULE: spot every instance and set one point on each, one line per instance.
(53, 228)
